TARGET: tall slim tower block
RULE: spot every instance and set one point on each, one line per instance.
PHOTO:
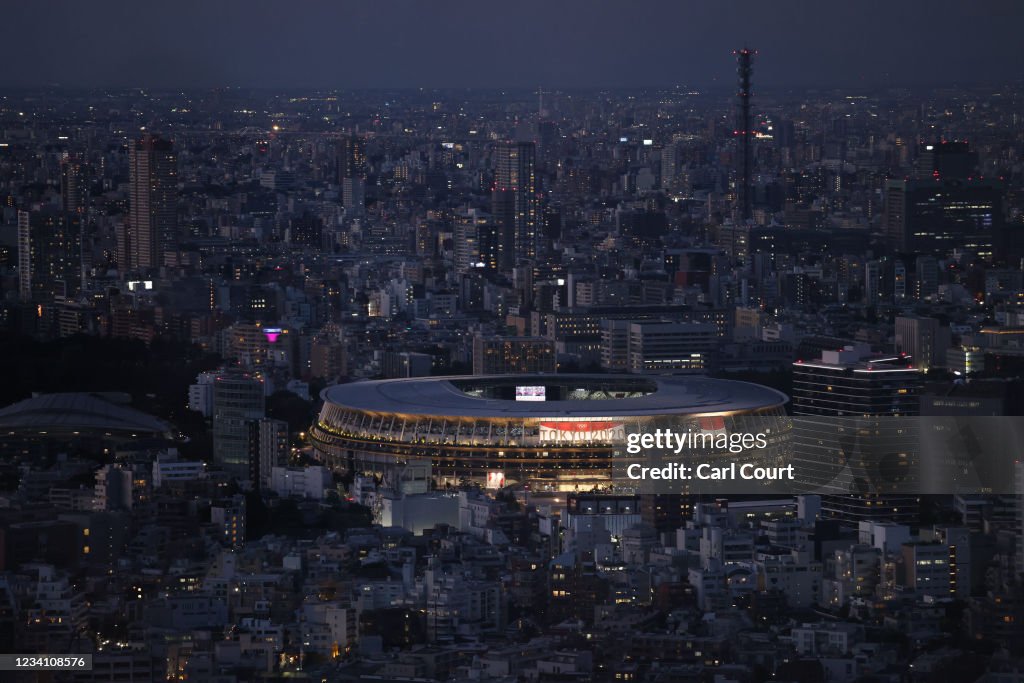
(744, 70)
(151, 230)
(515, 201)
(352, 173)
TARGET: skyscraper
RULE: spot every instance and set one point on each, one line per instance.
(352, 173)
(351, 158)
(467, 238)
(514, 201)
(669, 167)
(238, 399)
(24, 256)
(744, 70)
(72, 184)
(946, 159)
(938, 215)
(268, 448)
(925, 340)
(49, 255)
(840, 398)
(151, 230)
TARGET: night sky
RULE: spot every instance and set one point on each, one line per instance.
(513, 43)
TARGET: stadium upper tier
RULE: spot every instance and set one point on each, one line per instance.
(509, 397)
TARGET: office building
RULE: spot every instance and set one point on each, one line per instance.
(396, 364)
(937, 216)
(924, 340)
(946, 159)
(667, 347)
(513, 355)
(301, 482)
(844, 392)
(150, 231)
(238, 399)
(269, 448)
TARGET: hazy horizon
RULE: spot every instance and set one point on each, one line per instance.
(403, 44)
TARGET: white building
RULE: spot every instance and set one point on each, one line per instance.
(886, 536)
(301, 482)
(168, 469)
(823, 639)
(669, 347)
(200, 394)
(419, 512)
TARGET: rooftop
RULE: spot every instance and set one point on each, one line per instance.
(577, 396)
(74, 412)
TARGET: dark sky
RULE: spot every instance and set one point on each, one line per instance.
(508, 43)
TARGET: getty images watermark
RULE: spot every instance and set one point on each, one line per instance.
(825, 455)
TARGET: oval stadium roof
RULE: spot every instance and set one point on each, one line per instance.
(441, 396)
(78, 412)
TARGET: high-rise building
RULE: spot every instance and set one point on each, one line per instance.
(469, 227)
(514, 200)
(24, 256)
(873, 285)
(150, 233)
(669, 347)
(938, 215)
(946, 159)
(327, 359)
(924, 340)
(72, 185)
(351, 158)
(1018, 487)
(49, 255)
(847, 383)
(268, 443)
(353, 195)
(238, 399)
(926, 280)
(351, 173)
(846, 394)
(669, 167)
(744, 70)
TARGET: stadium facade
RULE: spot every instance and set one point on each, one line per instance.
(554, 432)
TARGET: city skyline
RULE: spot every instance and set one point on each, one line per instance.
(309, 376)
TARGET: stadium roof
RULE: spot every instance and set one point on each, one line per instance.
(78, 412)
(445, 396)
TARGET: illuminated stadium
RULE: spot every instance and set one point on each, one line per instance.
(558, 432)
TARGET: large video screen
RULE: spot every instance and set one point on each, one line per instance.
(530, 394)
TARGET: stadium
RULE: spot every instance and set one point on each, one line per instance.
(553, 432)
